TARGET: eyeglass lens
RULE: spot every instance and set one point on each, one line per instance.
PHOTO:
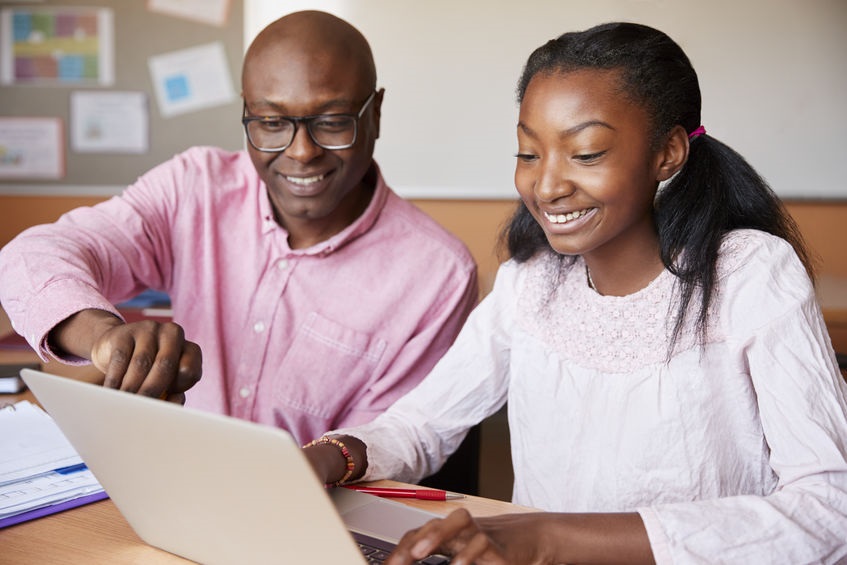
(327, 131)
(330, 131)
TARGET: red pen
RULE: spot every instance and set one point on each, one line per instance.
(420, 494)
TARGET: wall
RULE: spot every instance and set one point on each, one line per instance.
(476, 222)
(768, 71)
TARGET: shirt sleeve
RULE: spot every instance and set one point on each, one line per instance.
(414, 437)
(92, 257)
(780, 340)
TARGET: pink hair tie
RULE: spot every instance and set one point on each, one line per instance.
(699, 131)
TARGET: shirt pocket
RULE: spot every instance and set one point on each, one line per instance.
(326, 367)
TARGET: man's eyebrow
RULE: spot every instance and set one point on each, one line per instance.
(338, 105)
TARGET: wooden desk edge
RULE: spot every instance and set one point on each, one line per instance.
(98, 533)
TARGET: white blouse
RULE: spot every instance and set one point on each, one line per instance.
(733, 452)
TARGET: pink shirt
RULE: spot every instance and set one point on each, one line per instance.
(307, 340)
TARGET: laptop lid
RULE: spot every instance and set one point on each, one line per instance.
(212, 488)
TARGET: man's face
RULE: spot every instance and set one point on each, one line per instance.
(307, 184)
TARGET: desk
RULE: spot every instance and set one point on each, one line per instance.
(97, 533)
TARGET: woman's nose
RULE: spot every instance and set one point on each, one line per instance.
(554, 182)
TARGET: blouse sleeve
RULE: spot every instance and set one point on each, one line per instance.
(777, 334)
(414, 437)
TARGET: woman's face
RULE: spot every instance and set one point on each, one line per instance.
(585, 167)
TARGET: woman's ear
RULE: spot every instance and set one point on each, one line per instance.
(673, 155)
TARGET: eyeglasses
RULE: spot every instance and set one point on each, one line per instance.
(272, 134)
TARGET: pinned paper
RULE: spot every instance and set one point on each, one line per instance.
(191, 79)
(109, 122)
(31, 148)
(213, 12)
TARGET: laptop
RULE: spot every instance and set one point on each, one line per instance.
(216, 489)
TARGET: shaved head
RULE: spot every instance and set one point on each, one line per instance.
(318, 35)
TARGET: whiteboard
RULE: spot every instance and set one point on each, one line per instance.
(773, 75)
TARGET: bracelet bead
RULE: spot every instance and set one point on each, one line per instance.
(351, 465)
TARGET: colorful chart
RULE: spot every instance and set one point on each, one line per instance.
(63, 46)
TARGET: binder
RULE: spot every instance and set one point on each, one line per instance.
(40, 472)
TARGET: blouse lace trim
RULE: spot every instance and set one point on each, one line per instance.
(613, 334)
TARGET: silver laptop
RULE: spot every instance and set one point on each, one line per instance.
(216, 489)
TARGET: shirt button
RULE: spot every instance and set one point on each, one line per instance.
(282, 264)
(244, 392)
(259, 327)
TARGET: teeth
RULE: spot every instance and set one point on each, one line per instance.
(564, 218)
(305, 180)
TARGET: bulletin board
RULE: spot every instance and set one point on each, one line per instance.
(142, 31)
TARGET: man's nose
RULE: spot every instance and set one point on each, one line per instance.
(303, 148)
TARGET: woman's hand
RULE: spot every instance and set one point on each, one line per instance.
(536, 538)
(330, 464)
(513, 539)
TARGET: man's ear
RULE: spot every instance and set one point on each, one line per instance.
(377, 110)
(673, 155)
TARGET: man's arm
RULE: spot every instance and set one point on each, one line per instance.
(148, 357)
(58, 283)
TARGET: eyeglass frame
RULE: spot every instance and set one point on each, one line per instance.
(308, 120)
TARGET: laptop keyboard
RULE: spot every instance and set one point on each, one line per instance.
(376, 551)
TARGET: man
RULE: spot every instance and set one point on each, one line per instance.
(317, 296)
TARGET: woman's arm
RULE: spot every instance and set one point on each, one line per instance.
(523, 539)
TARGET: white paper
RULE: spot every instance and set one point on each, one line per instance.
(191, 79)
(34, 459)
(212, 12)
(109, 122)
(31, 148)
(46, 490)
(31, 443)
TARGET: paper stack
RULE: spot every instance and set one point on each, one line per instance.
(40, 472)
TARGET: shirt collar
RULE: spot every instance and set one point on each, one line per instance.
(360, 226)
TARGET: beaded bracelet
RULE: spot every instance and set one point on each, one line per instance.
(351, 465)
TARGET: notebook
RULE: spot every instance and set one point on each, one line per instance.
(215, 489)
